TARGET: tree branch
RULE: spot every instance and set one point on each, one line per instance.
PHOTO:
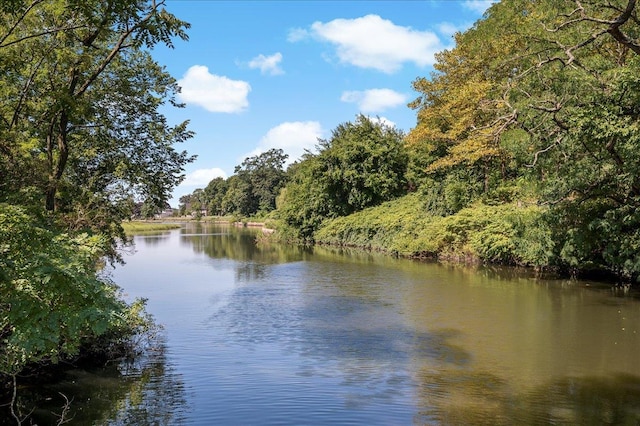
(542, 151)
(612, 26)
(117, 48)
(40, 34)
(20, 19)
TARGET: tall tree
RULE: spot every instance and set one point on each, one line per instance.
(82, 109)
(363, 164)
(463, 109)
(260, 178)
(555, 85)
(580, 102)
(214, 194)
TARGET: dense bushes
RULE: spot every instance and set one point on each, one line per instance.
(55, 305)
(504, 233)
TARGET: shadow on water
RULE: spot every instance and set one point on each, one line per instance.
(143, 392)
(475, 398)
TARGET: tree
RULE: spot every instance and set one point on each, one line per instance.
(464, 109)
(590, 143)
(555, 84)
(81, 112)
(185, 204)
(214, 194)
(82, 140)
(237, 199)
(305, 201)
(259, 179)
(362, 165)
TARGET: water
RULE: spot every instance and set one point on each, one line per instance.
(269, 335)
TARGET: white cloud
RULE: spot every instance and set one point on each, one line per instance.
(297, 34)
(479, 6)
(202, 177)
(373, 42)
(374, 100)
(267, 64)
(213, 92)
(449, 29)
(292, 137)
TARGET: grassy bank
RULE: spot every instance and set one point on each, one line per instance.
(508, 233)
(134, 227)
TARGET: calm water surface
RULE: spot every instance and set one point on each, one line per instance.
(266, 335)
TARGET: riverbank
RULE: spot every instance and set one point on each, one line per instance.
(141, 226)
(512, 234)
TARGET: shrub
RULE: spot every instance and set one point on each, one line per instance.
(502, 234)
(53, 301)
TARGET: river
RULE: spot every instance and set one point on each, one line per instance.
(282, 335)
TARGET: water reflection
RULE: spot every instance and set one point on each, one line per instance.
(267, 334)
(152, 238)
(239, 244)
(458, 397)
(479, 345)
(144, 392)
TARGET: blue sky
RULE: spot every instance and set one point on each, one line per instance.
(263, 74)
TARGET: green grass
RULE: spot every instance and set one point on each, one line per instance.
(136, 227)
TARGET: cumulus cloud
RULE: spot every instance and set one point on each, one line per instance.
(297, 34)
(373, 42)
(213, 92)
(449, 29)
(202, 177)
(267, 64)
(479, 6)
(293, 137)
(374, 100)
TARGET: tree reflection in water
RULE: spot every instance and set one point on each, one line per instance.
(466, 397)
(144, 392)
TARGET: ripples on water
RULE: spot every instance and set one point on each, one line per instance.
(273, 335)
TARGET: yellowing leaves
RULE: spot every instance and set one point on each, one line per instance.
(459, 118)
(462, 109)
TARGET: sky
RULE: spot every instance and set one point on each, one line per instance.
(263, 74)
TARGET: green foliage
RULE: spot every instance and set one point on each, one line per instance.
(596, 235)
(536, 103)
(305, 202)
(53, 301)
(362, 165)
(82, 143)
(500, 234)
(259, 179)
(80, 116)
(214, 195)
(251, 191)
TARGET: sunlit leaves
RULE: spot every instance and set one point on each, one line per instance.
(52, 300)
(363, 164)
(81, 82)
(547, 91)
